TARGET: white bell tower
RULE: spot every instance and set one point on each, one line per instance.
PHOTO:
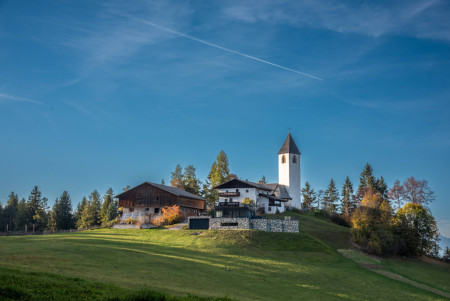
(289, 170)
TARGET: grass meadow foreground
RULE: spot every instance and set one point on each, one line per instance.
(244, 265)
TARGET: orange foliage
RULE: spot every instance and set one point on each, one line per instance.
(170, 215)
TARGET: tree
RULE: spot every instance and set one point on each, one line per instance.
(331, 197)
(417, 192)
(395, 194)
(61, 217)
(446, 255)
(109, 209)
(347, 198)
(382, 188)
(190, 181)
(219, 174)
(320, 201)
(371, 224)
(263, 180)
(162, 182)
(37, 206)
(22, 215)
(10, 211)
(417, 228)
(176, 178)
(169, 215)
(309, 196)
(95, 207)
(249, 202)
(82, 213)
(366, 181)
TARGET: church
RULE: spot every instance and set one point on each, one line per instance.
(268, 198)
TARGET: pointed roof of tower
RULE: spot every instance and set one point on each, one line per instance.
(289, 146)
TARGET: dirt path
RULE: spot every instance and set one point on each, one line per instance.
(177, 226)
(372, 263)
(406, 280)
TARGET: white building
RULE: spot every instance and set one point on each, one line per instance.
(268, 198)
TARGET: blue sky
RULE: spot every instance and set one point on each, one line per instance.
(93, 96)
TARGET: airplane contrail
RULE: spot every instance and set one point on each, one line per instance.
(226, 49)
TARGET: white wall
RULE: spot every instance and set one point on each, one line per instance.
(289, 175)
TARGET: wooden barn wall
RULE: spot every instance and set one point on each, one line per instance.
(150, 196)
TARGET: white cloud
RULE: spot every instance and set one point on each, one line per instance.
(423, 18)
(21, 99)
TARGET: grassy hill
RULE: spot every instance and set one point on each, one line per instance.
(244, 265)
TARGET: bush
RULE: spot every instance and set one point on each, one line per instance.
(340, 220)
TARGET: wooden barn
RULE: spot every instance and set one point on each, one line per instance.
(147, 199)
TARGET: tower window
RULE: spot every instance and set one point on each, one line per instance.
(283, 159)
(294, 159)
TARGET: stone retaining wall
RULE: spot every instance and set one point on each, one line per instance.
(271, 225)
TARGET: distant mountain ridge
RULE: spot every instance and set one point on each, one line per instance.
(445, 242)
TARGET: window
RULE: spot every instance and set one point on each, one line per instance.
(131, 209)
(294, 159)
(156, 210)
(283, 159)
(228, 224)
(231, 199)
(219, 213)
(246, 190)
(226, 200)
(147, 209)
(269, 208)
(237, 190)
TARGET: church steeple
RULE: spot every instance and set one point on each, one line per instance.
(289, 170)
(289, 146)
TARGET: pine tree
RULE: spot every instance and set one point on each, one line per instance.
(176, 178)
(109, 207)
(22, 215)
(263, 180)
(79, 216)
(366, 182)
(37, 206)
(10, 211)
(162, 182)
(190, 182)
(309, 196)
(347, 198)
(64, 219)
(95, 207)
(3, 219)
(382, 188)
(331, 197)
(219, 174)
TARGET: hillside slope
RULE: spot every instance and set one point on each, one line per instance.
(245, 265)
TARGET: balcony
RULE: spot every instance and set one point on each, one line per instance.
(229, 204)
(229, 194)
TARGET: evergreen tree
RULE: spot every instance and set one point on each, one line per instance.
(331, 197)
(22, 215)
(382, 188)
(319, 200)
(64, 216)
(95, 207)
(366, 182)
(79, 217)
(219, 174)
(37, 206)
(109, 207)
(3, 219)
(309, 196)
(10, 211)
(446, 255)
(162, 182)
(263, 180)
(190, 182)
(347, 198)
(176, 178)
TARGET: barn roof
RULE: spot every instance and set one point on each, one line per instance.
(173, 190)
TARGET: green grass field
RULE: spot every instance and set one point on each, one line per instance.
(244, 265)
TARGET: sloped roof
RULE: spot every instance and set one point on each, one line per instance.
(230, 183)
(289, 146)
(173, 190)
(279, 190)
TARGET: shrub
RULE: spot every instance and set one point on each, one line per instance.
(340, 220)
(169, 216)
